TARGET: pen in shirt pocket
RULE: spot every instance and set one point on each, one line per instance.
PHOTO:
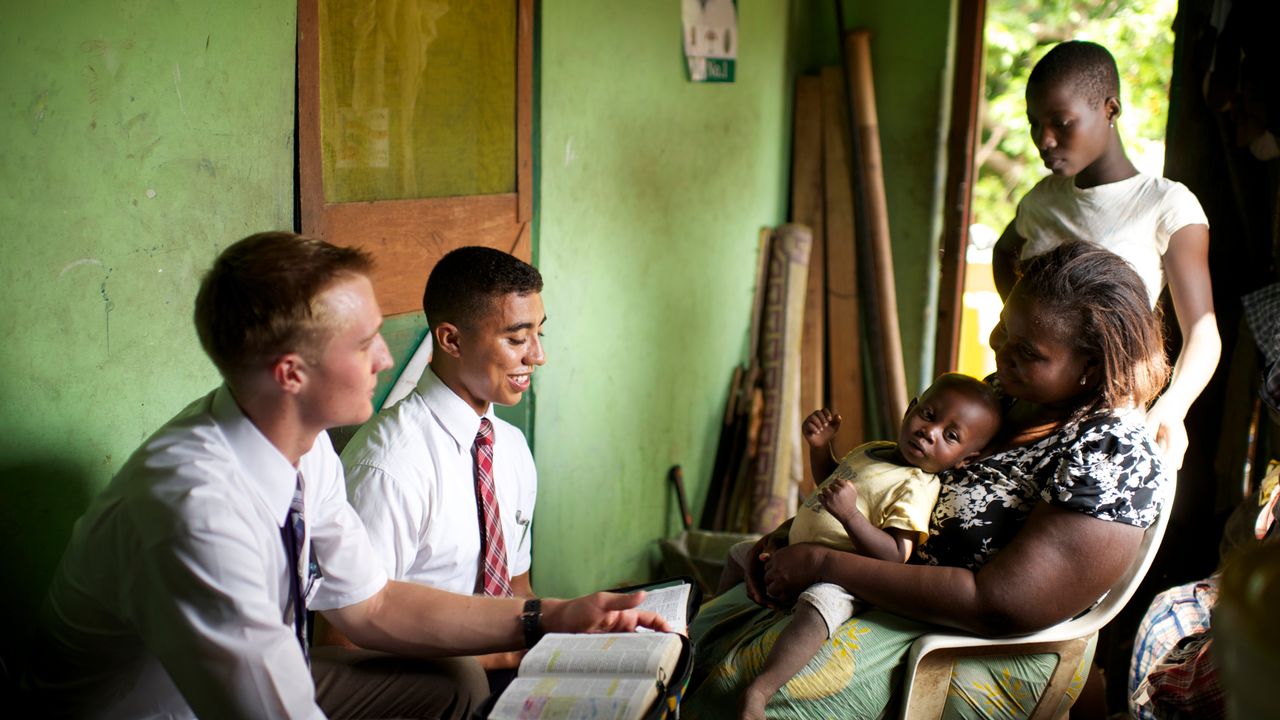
(523, 521)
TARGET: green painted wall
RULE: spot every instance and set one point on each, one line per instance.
(136, 139)
(139, 137)
(652, 196)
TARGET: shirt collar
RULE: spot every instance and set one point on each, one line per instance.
(457, 417)
(269, 472)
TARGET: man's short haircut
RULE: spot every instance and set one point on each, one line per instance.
(1085, 66)
(465, 283)
(257, 302)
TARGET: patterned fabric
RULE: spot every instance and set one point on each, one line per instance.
(1103, 465)
(776, 470)
(1262, 313)
(294, 534)
(1174, 614)
(1176, 675)
(492, 579)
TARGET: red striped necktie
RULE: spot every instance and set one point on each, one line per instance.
(492, 578)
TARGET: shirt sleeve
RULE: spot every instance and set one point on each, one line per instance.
(522, 558)
(393, 515)
(200, 601)
(913, 506)
(1179, 208)
(1110, 470)
(349, 568)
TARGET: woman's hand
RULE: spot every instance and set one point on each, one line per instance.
(1166, 427)
(757, 560)
(790, 571)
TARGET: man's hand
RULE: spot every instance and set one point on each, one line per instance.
(791, 570)
(599, 612)
(840, 498)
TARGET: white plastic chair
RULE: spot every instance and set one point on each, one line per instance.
(929, 661)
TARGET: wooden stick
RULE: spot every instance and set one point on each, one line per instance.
(807, 209)
(875, 211)
(844, 345)
(966, 95)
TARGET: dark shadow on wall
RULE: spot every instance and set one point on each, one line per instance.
(40, 500)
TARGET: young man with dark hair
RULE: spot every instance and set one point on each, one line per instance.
(184, 588)
(412, 471)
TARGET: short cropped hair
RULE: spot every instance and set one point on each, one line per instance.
(1104, 307)
(972, 387)
(1087, 67)
(465, 283)
(258, 301)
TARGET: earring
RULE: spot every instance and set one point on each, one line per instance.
(1084, 379)
(1111, 124)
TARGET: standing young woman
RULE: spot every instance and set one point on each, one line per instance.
(1022, 538)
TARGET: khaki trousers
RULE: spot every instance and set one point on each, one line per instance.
(368, 684)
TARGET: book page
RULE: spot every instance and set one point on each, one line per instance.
(575, 698)
(669, 602)
(650, 655)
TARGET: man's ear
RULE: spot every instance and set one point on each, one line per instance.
(447, 337)
(290, 373)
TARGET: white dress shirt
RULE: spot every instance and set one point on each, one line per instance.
(411, 476)
(172, 599)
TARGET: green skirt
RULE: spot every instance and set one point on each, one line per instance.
(857, 673)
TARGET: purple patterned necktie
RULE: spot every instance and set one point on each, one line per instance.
(492, 578)
(294, 534)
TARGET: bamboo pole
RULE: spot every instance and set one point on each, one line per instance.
(874, 230)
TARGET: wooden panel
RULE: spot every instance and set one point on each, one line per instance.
(844, 349)
(887, 344)
(962, 137)
(407, 237)
(806, 209)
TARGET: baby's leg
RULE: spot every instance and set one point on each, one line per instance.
(795, 647)
(735, 567)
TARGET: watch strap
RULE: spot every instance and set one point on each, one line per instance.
(531, 621)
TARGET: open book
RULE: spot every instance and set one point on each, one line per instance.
(669, 601)
(613, 675)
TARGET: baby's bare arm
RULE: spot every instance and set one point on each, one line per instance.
(840, 498)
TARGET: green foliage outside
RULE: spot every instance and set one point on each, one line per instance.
(1018, 33)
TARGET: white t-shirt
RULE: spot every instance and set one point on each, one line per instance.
(172, 599)
(411, 476)
(1134, 218)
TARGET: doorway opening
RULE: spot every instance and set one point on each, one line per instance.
(1016, 34)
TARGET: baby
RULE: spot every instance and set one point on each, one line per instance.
(877, 502)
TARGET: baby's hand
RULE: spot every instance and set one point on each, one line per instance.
(840, 498)
(820, 427)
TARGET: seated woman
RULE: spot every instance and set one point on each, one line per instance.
(1028, 535)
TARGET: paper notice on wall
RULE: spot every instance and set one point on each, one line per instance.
(711, 39)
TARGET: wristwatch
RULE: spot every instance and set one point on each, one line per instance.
(531, 621)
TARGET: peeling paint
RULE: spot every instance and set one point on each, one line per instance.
(569, 155)
(39, 108)
(177, 86)
(77, 263)
(107, 307)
